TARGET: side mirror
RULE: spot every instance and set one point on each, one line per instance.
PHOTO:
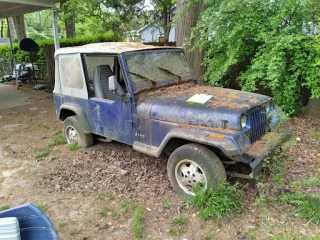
(112, 83)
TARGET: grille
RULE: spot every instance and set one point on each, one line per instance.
(258, 121)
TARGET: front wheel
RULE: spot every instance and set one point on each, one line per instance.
(72, 132)
(193, 165)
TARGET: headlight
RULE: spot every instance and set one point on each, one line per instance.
(268, 107)
(243, 121)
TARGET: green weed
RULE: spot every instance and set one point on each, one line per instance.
(39, 126)
(217, 203)
(278, 166)
(57, 139)
(73, 231)
(61, 225)
(111, 196)
(50, 159)
(165, 203)
(289, 144)
(43, 208)
(4, 207)
(138, 222)
(177, 225)
(305, 205)
(73, 146)
(263, 189)
(315, 134)
(42, 154)
(115, 215)
(306, 181)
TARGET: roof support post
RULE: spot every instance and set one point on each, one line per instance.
(55, 29)
(13, 56)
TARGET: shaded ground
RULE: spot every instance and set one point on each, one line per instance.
(90, 194)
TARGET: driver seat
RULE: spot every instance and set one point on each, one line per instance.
(101, 82)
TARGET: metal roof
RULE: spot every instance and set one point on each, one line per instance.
(18, 7)
(106, 47)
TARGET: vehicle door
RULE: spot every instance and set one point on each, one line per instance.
(111, 110)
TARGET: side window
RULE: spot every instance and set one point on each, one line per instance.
(99, 69)
(71, 72)
(72, 76)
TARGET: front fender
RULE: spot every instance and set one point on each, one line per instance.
(83, 121)
(230, 144)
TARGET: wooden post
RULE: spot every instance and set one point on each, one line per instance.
(50, 66)
(13, 56)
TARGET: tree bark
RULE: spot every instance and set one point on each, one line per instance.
(313, 108)
(2, 28)
(12, 29)
(69, 20)
(183, 32)
(20, 27)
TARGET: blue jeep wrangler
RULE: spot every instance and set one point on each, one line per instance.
(147, 97)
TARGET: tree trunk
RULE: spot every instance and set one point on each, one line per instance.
(12, 29)
(69, 20)
(313, 108)
(183, 32)
(2, 27)
(20, 27)
(166, 27)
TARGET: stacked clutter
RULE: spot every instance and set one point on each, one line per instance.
(9, 229)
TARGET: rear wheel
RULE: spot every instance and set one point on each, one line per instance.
(73, 132)
(193, 165)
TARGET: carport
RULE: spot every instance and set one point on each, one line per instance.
(18, 7)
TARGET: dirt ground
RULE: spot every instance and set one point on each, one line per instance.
(89, 194)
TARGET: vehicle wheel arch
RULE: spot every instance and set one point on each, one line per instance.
(68, 110)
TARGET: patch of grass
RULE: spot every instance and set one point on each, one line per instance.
(278, 166)
(4, 207)
(115, 215)
(43, 208)
(39, 126)
(263, 189)
(73, 231)
(138, 222)
(50, 159)
(128, 206)
(165, 203)
(57, 139)
(305, 205)
(42, 154)
(111, 196)
(252, 234)
(289, 144)
(73, 146)
(315, 134)
(217, 203)
(61, 225)
(306, 181)
(177, 225)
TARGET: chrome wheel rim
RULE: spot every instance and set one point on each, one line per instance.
(189, 175)
(71, 135)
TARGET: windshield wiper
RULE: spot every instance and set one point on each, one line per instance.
(170, 72)
(153, 82)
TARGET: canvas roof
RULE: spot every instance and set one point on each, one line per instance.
(106, 47)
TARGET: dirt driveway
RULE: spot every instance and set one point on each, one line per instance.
(91, 193)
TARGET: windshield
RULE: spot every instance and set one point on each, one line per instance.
(150, 68)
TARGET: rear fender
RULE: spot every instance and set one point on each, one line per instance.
(84, 123)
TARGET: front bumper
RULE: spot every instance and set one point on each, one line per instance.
(263, 148)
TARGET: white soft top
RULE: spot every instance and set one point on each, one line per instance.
(106, 47)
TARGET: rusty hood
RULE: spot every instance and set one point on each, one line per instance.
(223, 110)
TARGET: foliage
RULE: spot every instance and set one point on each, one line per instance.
(57, 139)
(73, 146)
(217, 203)
(44, 152)
(5, 51)
(177, 225)
(262, 44)
(306, 205)
(138, 222)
